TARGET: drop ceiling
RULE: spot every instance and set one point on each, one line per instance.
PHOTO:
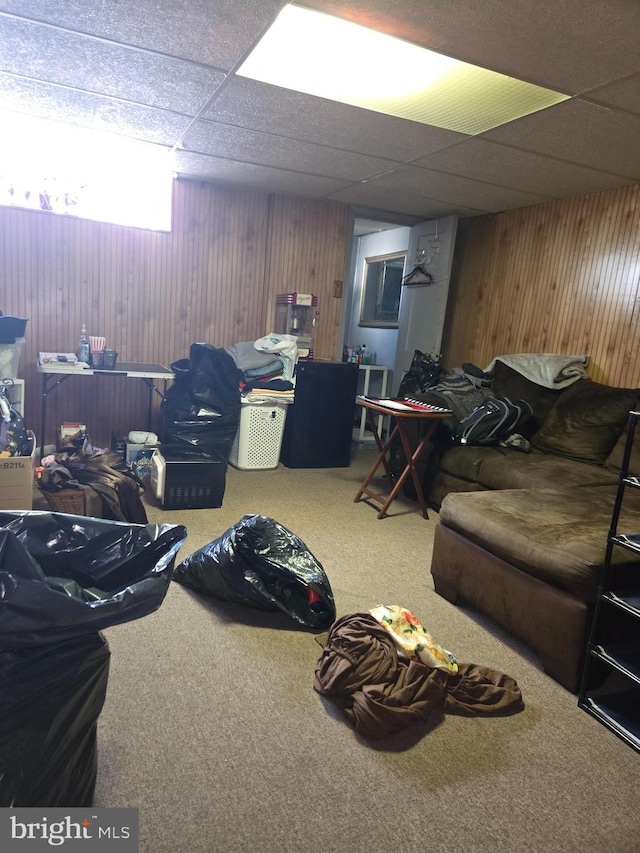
(163, 71)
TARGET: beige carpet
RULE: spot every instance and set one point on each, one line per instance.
(212, 727)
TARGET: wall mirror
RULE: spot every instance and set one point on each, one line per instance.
(381, 286)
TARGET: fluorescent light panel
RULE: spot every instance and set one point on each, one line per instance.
(321, 55)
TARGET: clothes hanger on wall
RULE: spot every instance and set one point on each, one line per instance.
(418, 275)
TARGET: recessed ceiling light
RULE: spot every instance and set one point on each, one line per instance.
(318, 54)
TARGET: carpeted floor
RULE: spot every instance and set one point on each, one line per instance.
(212, 727)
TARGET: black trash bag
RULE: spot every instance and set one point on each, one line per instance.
(201, 410)
(50, 702)
(64, 576)
(425, 371)
(259, 563)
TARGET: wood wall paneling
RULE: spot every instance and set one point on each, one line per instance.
(151, 294)
(561, 278)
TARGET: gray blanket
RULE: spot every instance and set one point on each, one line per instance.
(546, 369)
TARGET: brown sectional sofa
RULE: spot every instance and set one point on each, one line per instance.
(522, 536)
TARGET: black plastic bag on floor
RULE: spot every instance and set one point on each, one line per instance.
(425, 371)
(62, 576)
(62, 579)
(260, 563)
(50, 702)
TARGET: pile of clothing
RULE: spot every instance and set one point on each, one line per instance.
(111, 489)
(267, 367)
(388, 673)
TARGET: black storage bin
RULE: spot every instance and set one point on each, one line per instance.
(189, 483)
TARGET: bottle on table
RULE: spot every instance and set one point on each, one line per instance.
(84, 350)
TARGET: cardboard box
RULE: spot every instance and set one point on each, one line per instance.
(16, 479)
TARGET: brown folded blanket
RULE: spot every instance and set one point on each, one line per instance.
(383, 692)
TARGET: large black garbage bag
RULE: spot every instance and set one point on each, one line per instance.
(425, 371)
(50, 701)
(63, 576)
(201, 410)
(260, 563)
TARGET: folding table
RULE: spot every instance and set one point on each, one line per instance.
(400, 417)
(58, 373)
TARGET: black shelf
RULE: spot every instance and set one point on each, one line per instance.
(625, 657)
(627, 601)
(610, 689)
(619, 712)
(631, 541)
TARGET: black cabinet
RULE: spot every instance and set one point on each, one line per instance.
(318, 428)
(610, 689)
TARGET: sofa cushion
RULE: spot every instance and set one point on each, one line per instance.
(586, 421)
(614, 459)
(508, 382)
(513, 469)
(464, 461)
(558, 536)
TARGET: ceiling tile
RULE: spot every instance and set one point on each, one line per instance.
(58, 103)
(392, 201)
(269, 150)
(522, 170)
(265, 178)
(571, 46)
(215, 34)
(622, 94)
(579, 132)
(297, 116)
(54, 56)
(455, 190)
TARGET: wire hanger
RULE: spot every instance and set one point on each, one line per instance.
(418, 275)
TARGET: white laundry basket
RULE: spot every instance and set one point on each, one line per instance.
(259, 437)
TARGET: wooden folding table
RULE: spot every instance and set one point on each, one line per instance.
(400, 418)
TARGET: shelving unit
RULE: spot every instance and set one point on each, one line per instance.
(360, 434)
(610, 689)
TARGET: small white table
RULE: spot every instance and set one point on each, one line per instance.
(361, 435)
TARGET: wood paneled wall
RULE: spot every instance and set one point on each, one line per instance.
(560, 278)
(213, 278)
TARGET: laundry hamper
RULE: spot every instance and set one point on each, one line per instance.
(70, 501)
(259, 437)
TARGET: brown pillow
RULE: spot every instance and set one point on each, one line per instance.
(586, 421)
(508, 382)
(614, 459)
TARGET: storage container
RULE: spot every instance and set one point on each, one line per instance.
(187, 483)
(259, 437)
(16, 479)
(10, 358)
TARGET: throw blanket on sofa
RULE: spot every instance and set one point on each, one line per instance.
(383, 692)
(546, 369)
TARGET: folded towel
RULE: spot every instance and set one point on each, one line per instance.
(269, 369)
(247, 357)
